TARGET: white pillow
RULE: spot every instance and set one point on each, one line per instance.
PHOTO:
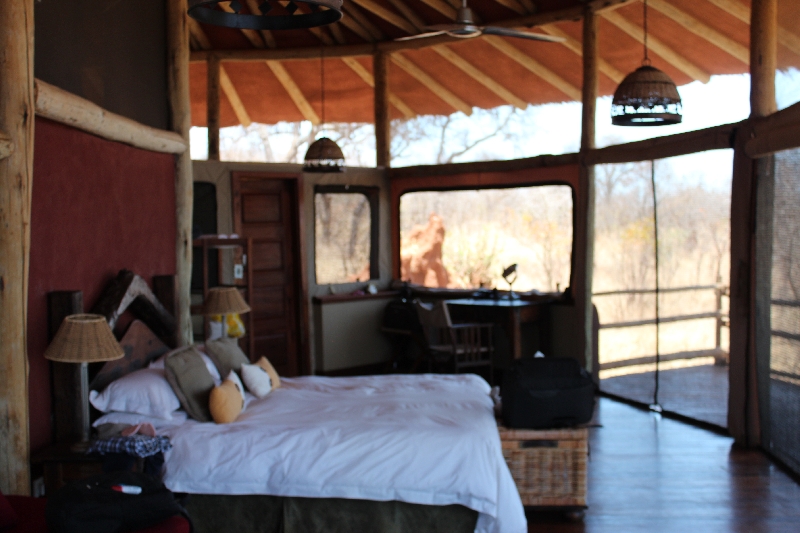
(236, 381)
(212, 368)
(145, 392)
(257, 380)
(132, 419)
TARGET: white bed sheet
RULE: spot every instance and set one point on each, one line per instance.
(428, 439)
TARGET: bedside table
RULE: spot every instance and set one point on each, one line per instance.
(61, 465)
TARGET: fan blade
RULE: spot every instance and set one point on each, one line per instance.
(506, 32)
(421, 35)
(446, 27)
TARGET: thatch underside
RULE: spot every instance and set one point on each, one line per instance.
(689, 40)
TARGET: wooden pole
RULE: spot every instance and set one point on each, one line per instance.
(383, 136)
(16, 174)
(763, 57)
(584, 235)
(178, 80)
(212, 107)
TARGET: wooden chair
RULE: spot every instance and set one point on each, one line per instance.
(454, 346)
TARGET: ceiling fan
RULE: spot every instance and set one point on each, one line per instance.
(464, 27)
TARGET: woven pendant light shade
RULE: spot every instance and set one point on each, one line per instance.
(324, 155)
(646, 97)
(84, 338)
(271, 15)
(224, 301)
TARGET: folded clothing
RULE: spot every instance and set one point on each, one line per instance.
(136, 445)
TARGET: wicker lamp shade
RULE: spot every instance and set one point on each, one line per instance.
(270, 15)
(646, 97)
(324, 155)
(224, 301)
(84, 338)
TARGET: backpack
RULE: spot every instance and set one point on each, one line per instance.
(110, 503)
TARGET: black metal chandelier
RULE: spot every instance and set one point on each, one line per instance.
(323, 155)
(647, 96)
(272, 15)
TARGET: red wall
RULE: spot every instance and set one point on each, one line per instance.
(98, 207)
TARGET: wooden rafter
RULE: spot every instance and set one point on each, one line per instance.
(353, 11)
(336, 31)
(574, 93)
(786, 37)
(572, 44)
(408, 13)
(363, 73)
(702, 30)
(657, 46)
(514, 6)
(434, 86)
(351, 24)
(196, 31)
(442, 7)
(476, 74)
(269, 39)
(387, 15)
(293, 91)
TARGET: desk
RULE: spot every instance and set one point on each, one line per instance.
(510, 313)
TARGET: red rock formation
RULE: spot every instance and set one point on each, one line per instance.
(421, 255)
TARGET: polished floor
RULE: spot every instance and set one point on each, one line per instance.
(699, 392)
(652, 474)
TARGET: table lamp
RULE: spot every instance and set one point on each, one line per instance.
(510, 275)
(224, 301)
(83, 339)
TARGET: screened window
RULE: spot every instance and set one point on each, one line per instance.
(465, 239)
(345, 234)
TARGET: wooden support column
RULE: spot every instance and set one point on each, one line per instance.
(178, 80)
(584, 231)
(383, 136)
(16, 174)
(212, 107)
(763, 57)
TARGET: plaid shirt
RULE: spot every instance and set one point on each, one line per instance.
(136, 445)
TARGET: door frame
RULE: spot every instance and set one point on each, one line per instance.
(300, 290)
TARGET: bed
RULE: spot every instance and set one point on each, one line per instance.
(410, 444)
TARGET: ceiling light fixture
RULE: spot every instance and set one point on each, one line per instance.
(323, 155)
(274, 15)
(647, 96)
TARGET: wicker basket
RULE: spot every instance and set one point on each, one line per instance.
(548, 466)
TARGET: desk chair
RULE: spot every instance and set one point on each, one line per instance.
(454, 346)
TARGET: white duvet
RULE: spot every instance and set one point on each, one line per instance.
(428, 439)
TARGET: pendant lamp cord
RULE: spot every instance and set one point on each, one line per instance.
(646, 56)
(656, 406)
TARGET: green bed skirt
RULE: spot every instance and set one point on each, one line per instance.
(274, 514)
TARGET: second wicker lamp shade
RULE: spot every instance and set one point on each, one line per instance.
(224, 301)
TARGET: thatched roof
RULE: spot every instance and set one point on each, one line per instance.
(689, 40)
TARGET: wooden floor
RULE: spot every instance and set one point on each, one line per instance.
(652, 474)
(699, 392)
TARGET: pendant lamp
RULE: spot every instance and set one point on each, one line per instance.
(647, 96)
(323, 155)
(272, 15)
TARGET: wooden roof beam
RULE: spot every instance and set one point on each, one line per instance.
(742, 12)
(363, 73)
(514, 6)
(266, 35)
(435, 87)
(476, 74)
(573, 92)
(353, 11)
(196, 31)
(442, 7)
(409, 14)
(658, 47)
(702, 30)
(294, 92)
(604, 66)
(351, 24)
(389, 16)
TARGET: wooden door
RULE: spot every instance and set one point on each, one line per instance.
(265, 210)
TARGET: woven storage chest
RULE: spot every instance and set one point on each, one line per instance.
(548, 466)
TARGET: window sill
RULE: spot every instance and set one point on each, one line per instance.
(340, 298)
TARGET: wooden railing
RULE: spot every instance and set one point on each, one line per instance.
(722, 319)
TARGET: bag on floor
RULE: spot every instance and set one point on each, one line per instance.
(110, 503)
(547, 392)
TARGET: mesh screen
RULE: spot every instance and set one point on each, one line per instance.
(693, 196)
(342, 237)
(784, 389)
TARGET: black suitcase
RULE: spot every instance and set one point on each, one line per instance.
(546, 392)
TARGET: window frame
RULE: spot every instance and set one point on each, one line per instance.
(372, 194)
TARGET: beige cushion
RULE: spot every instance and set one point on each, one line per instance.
(273, 375)
(226, 354)
(226, 401)
(256, 380)
(191, 381)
